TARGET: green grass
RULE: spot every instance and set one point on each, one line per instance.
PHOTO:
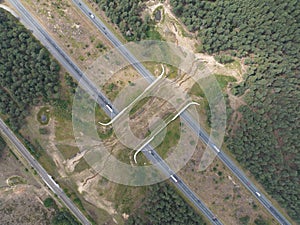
(151, 66)
(199, 48)
(138, 105)
(171, 139)
(142, 160)
(46, 112)
(173, 72)
(153, 34)
(67, 151)
(99, 215)
(234, 65)
(111, 90)
(204, 109)
(100, 115)
(224, 80)
(63, 129)
(47, 162)
(196, 90)
(105, 134)
(81, 166)
(63, 109)
(126, 198)
(123, 155)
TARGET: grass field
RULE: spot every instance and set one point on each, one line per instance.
(234, 65)
(81, 166)
(224, 80)
(126, 199)
(171, 138)
(139, 105)
(67, 150)
(197, 91)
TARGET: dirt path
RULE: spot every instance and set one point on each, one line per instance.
(171, 26)
(71, 163)
(174, 31)
(87, 183)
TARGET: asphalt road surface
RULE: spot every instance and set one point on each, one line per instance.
(190, 121)
(42, 173)
(106, 105)
(109, 109)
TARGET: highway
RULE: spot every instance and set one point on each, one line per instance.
(106, 105)
(42, 172)
(61, 56)
(109, 109)
(155, 158)
(185, 116)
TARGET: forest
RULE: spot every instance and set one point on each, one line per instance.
(126, 15)
(60, 216)
(28, 75)
(64, 217)
(163, 205)
(266, 35)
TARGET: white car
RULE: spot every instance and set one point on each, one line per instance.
(92, 16)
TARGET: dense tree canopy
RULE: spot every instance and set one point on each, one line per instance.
(64, 217)
(267, 33)
(127, 15)
(163, 205)
(27, 73)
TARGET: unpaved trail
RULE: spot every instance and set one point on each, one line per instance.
(172, 25)
(87, 183)
(71, 163)
(174, 31)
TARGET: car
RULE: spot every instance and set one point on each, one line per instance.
(92, 15)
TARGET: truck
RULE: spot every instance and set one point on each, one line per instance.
(173, 178)
(215, 147)
(51, 178)
(109, 108)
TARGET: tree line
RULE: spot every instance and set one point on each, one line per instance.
(163, 205)
(28, 75)
(60, 216)
(266, 34)
(126, 15)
